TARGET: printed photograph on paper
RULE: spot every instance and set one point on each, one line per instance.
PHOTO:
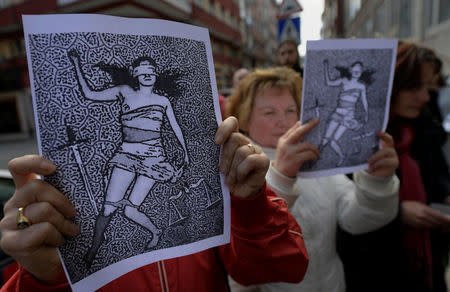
(129, 118)
(347, 85)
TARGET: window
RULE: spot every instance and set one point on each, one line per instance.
(10, 122)
(431, 13)
(405, 19)
(380, 20)
(65, 2)
(427, 13)
(226, 51)
(233, 22)
(14, 108)
(219, 11)
(395, 11)
(227, 17)
(234, 53)
(444, 10)
(10, 48)
(368, 27)
(353, 8)
(217, 48)
(212, 7)
(7, 3)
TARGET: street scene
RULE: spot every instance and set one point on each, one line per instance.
(152, 170)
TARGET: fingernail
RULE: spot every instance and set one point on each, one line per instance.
(74, 229)
(47, 166)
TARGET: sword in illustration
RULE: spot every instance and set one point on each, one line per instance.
(316, 107)
(73, 146)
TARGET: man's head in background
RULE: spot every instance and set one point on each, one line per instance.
(287, 55)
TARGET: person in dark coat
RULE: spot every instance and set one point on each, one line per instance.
(407, 255)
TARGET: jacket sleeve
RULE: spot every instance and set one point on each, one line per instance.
(266, 242)
(367, 203)
(285, 187)
(22, 280)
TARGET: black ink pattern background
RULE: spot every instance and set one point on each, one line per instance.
(62, 109)
(355, 144)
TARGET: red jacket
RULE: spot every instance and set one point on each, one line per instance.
(266, 246)
(223, 105)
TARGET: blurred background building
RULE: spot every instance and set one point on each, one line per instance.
(243, 34)
(259, 32)
(423, 21)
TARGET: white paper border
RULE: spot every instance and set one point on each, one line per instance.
(345, 44)
(66, 23)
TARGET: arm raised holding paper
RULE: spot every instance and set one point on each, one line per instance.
(266, 104)
(107, 94)
(292, 152)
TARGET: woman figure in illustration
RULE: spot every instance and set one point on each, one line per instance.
(353, 82)
(140, 159)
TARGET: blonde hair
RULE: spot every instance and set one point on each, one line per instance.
(240, 104)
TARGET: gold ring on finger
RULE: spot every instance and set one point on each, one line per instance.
(21, 220)
(252, 147)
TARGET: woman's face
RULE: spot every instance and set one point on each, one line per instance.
(356, 70)
(410, 102)
(149, 78)
(274, 112)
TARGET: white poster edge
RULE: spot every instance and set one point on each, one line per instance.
(172, 29)
(350, 44)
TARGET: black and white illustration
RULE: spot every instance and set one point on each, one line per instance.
(347, 85)
(129, 118)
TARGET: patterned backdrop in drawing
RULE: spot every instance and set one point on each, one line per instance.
(337, 106)
(81, 136)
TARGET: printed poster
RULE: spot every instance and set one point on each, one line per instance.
(347, 85)
(128, 109)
